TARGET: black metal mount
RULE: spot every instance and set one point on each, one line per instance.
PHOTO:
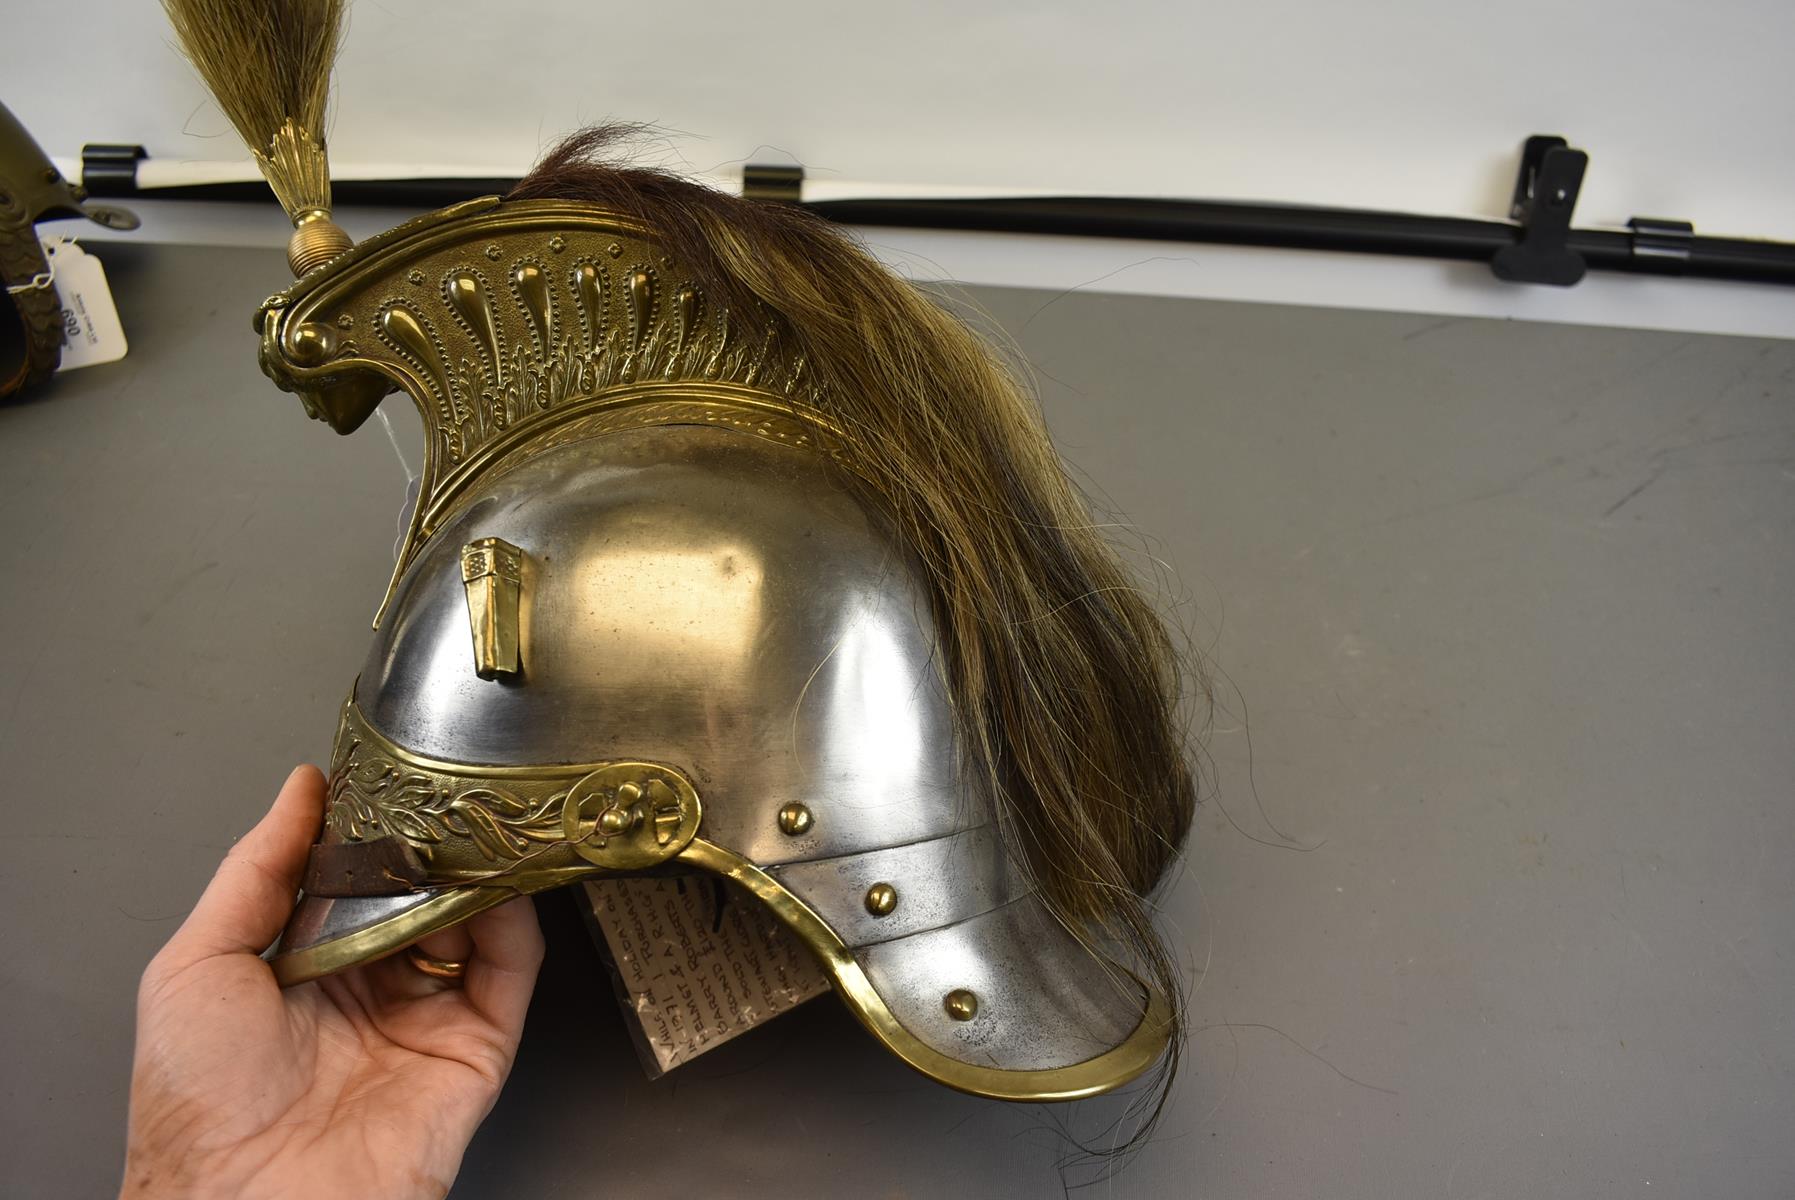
(782, 185)
(110, 168)
(1668, 242)
(1545, 194)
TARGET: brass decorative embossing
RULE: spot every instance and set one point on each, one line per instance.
(492, 574)
(373, 794)
(514, 327)
(507, 824)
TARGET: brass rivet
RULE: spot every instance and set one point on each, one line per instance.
(312, 344)
(794, 819)
(881, 898)
(961, 1004)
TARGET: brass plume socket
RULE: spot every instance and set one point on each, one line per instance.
(316, 240)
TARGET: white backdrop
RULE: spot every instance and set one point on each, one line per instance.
(1405, 104)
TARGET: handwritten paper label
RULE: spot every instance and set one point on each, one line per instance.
(697, 964)
(91, 332)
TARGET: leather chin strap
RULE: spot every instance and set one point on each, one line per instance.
(26, 275)
(380, 867)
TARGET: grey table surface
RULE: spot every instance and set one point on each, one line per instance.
(1495, 901)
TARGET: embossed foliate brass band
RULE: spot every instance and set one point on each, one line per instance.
(523, 828)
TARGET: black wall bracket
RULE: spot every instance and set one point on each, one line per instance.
(110, 168)
(1545, 195)
(781, 185)
(1666, 243)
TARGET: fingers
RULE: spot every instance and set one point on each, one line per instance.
(252, 894)
(502, 949)
(502, 973)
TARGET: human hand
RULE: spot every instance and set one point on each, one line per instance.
(366, 1084)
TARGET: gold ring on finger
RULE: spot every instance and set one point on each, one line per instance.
(437, 968)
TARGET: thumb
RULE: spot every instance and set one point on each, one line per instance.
(252, 893)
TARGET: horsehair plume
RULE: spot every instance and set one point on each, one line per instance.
(1066, 685)
(268, 65)
(267, 62)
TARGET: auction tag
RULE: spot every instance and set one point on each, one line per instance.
(697, 965)
(91, 332)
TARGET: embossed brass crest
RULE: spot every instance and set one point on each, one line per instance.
(520, 326)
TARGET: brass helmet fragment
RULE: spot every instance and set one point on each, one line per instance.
(33, 189)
